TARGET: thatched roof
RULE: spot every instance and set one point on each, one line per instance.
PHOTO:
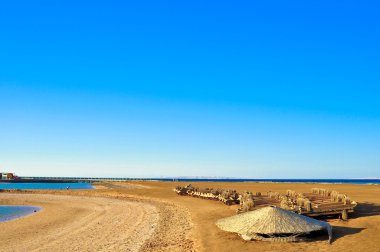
(272, 221)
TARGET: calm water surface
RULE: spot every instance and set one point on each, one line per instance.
(45, 186)
(8, 213)
(320, 181)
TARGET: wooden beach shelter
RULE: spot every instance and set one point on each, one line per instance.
(272, 224)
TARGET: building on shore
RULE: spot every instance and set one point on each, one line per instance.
(7, 176)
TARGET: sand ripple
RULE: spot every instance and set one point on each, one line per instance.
(74, 223)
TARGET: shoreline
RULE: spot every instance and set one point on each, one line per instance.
(77, 223)
(171, 226)
(193, 180)
(34, 210)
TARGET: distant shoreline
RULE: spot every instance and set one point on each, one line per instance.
(93, 180)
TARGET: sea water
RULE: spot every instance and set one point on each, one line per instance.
(45, 186)
(8, 213)
(374, 181)
(318, 181)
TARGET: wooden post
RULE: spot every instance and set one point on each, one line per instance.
(344, 215)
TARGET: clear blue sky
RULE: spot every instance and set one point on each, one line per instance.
(259, 89)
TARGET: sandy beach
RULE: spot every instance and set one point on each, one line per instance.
(72, 223)
(149, 216)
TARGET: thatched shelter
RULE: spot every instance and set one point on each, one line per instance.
(272, 224)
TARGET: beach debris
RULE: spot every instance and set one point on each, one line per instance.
(274, 195)
(184, 190)
(247, 202)
(320, 202)
(273, 224)
(228, 197)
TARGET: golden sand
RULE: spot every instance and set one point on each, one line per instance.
(149, 216)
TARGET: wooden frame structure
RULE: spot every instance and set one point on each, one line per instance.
(320, 202)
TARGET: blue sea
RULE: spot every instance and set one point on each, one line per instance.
(321, 181)
(45, 186)
(8, 213)
(83, 185)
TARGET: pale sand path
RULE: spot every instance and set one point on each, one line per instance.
(76, 223)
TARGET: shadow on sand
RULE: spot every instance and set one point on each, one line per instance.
(366, 209)
(363, 209)
(339, 232)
